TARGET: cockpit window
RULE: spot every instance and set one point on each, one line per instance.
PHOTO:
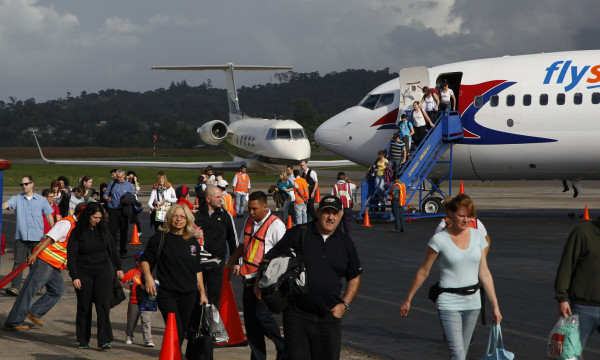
(376, 101)
(370, 102)
(386, 99)
(298, 134)
(283, 134)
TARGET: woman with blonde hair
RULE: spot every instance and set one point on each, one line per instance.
(171, 267)
(463, 270)
(161, 198)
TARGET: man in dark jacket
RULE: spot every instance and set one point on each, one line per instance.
(219, 237)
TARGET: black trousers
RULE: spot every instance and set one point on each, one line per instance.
(310, 209)
(212, 274)
(259, 323)
(97, 289)
(119, 225)
(181, 304)
(311, 337)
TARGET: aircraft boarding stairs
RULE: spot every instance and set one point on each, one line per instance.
(414, 173)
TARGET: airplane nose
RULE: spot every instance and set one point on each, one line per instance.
(329, 135)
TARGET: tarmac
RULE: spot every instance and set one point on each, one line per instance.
(528, 222)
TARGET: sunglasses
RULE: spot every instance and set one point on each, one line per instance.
(27, 183)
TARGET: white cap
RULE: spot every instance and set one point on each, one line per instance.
(222, 183)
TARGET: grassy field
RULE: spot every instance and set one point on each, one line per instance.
(43, 174)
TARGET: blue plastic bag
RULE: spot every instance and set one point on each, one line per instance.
(497, 352)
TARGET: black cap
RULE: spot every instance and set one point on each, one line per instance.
(331, 201)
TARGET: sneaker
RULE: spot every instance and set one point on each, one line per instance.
(12, 292)
(104, 346)
(139, 234)
(148, 343)
(129, 340)
(16, 328)
(81, 346)
(35, 320)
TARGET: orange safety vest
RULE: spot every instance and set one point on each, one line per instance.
(243, 180)
(228, 203)
(402, 189)
(254, 245)
(302, 191)
(344, 192)
(55, 253)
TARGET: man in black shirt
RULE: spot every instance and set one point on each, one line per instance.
(313, 183)
(219, 236)
(313, 328)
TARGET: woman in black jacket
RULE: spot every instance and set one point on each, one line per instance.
(92, 260)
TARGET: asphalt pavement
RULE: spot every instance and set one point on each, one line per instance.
(528, 223)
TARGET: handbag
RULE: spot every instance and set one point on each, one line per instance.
(141, 294)
(497, 352)
(117, 290)
(199, 344)
(211, 320)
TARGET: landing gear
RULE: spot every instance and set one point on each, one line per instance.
(432, 205)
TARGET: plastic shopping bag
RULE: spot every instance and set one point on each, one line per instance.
(495, 349)
(212, 322)
(564, 342)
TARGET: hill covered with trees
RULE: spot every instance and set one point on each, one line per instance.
(118, 118)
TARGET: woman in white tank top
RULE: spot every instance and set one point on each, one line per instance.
(431, 101)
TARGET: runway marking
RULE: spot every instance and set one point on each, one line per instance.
(426, 311)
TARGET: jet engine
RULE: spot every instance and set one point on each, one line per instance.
(213, 132)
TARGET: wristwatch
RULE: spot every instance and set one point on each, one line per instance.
(346, 305)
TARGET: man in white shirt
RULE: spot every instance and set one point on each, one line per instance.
(343, 190)
(262, 231)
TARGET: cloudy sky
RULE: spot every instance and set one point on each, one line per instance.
(49, 48)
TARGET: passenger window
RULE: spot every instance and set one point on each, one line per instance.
(560, 99)
(577, 98)
(478, 101)
(544, 99)
(370, 101)
(510, 100)
(297, 134)
(283, 133)
(494, 100)
(385, 100)
(526, 100)
(596, 98)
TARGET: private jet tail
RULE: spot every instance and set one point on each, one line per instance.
(234, 105)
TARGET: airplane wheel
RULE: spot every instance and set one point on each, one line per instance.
(432, 205)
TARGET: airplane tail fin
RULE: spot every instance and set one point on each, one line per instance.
(234, 106)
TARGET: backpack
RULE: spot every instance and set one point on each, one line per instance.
(278, 294)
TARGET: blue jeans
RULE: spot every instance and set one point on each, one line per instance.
(398, 216)
(285, 209)
(589, 320)
(240, 199)
(41, 273)
(381, 187)
(22, 250)
(301, 215)
(396, 165)
(458, 327)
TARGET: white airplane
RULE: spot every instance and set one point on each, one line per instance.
(262, 144)
(533, 117)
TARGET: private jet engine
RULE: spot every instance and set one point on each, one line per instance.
(213, 132)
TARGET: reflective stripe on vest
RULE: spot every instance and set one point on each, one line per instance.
(55, 253)
(344, 192)
(402, 195)
(254, 248)
(228, 203)
(243, 180)
(302, 191)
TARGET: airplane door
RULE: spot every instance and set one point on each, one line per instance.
(412, 81)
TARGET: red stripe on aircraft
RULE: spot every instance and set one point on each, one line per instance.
(468, 93)
(389, 118)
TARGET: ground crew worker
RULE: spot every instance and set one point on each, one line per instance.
(227, 198)
(241, 187)
(301, 202)
(262, 231)
(52, 255)
(343, 190)
(398, 199)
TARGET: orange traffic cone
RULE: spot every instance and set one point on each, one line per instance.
(170, 346)
(462, 188)
(367, 222)
(586, 214)
(318, 196)
(290, 224)
(230, 315)
(135, 239)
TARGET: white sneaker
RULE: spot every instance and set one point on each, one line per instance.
(148, 343)
(128, 340)
(139, 234)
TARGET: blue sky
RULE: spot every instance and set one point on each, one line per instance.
(49, 48)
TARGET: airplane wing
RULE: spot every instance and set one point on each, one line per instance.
(331, 163)
(156, 164)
